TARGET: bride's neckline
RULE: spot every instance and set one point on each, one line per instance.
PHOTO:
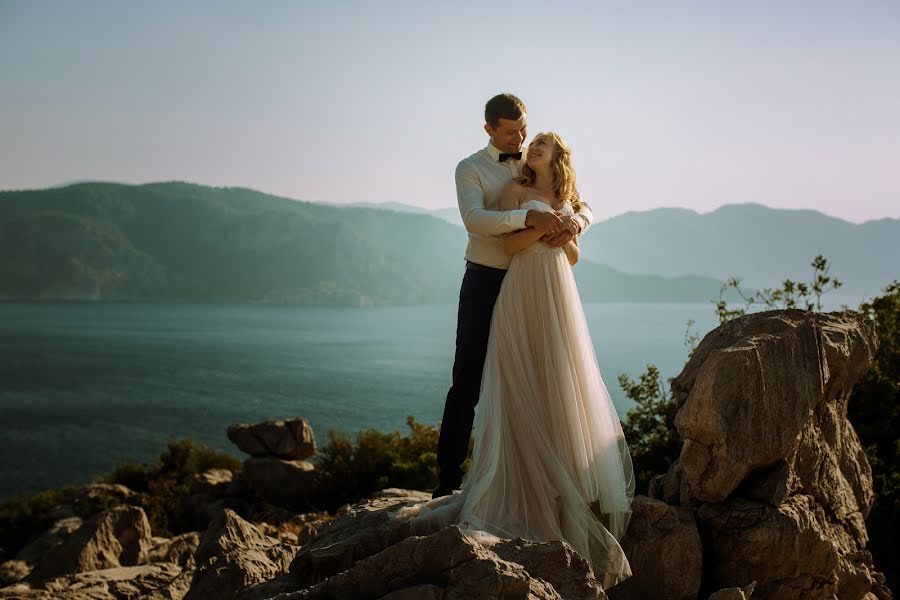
(562, 206)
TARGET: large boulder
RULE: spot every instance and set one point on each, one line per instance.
(370, 553)
(663, 546)
(770, 464)
(366, 529)
(450, 564)
(151, 582)
(292, 439)
(755, 384)
(281, 481)
(233, 555)
(118, 537)
(58, 533)
(179, 550)
(794, 550)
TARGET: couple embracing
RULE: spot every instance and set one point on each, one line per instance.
(550, 461)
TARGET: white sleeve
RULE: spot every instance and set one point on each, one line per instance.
(475, 217)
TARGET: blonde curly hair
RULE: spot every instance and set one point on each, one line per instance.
(562, 170)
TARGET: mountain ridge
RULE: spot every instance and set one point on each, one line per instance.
(179, 241)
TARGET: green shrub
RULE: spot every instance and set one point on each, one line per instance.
(379, 460)
(649, 428)
(159, 489)
(874, 411)
(26, 516)
(163, 485)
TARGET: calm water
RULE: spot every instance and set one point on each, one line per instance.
(84, 387)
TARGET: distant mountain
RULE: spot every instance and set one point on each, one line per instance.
(177, 241)
(449, 214)
(760, 244)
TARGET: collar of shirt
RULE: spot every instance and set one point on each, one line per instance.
(493, 152)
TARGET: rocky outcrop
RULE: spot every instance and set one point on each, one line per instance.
(366, 529)
(770, 466)
(734, 593)
(118, 537)
(450, 564)
(276, 470)
(233, 555)
(367, 553)
(179, 550)
(20, 567)
(768, 499)
(663, 546)
(157, 581)
(281, 481)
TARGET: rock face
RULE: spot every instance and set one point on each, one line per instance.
(156, 581)
(770, 464)
(281, 481)
(450, 564)
(17, 569)
(179, 550)
(233, 555)
(291, 439)
(276, 470)
(118, 537)
(368, 554)
(662, 544)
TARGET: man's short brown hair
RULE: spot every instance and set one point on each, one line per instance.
(503, 106)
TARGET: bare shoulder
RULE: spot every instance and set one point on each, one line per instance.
(514, 189)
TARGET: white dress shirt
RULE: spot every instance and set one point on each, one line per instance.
(480, 180)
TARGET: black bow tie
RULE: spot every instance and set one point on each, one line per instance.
(515, 155)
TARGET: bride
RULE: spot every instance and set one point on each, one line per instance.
(550, 460)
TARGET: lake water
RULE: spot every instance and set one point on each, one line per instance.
(86, 386)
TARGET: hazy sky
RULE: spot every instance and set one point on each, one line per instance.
(696, 104)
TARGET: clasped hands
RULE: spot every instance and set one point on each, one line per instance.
(558, 227)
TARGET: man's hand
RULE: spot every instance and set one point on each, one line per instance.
(571, 228)
(559, 239)
(548, 222)
(570, 223)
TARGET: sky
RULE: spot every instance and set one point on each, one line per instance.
(692, 104)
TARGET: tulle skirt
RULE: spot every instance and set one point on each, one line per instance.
(550, 460)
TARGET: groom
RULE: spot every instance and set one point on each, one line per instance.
(480, 179)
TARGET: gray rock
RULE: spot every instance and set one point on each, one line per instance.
(777, 476)
(116, 583)
(663, 546)
(114, 538)
(58, 533)
(179, 550)
(285, 482)
(449, 564)
(734, 593)
(292, 439)
(233, 555)
(213, 482)
(365, 529)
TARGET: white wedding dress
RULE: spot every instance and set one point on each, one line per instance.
(549, 447)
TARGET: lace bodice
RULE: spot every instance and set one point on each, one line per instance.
(541, 205)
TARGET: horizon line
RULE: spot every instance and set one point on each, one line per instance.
(432, 210)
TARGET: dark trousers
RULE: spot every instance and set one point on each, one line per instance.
(477, 296)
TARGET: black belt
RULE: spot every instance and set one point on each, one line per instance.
(477, 267)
